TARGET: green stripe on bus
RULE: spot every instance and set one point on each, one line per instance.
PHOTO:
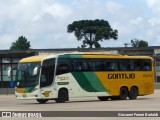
(95, 82)
(89, 81)
(70, 56)
(83, 82)
(29, 89)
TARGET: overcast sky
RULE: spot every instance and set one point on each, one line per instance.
(44, 22)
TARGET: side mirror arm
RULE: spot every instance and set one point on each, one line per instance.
(9, 73)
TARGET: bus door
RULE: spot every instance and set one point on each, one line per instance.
(46, 79)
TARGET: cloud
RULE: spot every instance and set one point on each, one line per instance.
(57, 10)
(154, 21)
(154, 5)
(46, 20)
(137, 21)
(113, 7)
(5, 39)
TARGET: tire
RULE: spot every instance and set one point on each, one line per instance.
(103, 98)
(123, 93)
(133, 93)
(62, 96)
(42, 101)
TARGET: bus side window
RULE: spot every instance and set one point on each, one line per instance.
(135, 65)
(146, 65)
(81, 65)
(95, 64)
(63, 66)
(77, 66)
(85, 65)
(111, 65)
(124, 65)
(140, 65)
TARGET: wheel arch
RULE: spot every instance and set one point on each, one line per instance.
(124, 86)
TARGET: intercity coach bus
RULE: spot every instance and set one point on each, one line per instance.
(62, 76)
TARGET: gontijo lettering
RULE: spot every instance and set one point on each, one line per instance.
(121, 76)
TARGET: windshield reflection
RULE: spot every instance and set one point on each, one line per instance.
(24, 75)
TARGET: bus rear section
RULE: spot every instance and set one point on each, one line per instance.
(114, 77)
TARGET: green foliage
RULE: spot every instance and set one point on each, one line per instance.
(134, 43)
(20, 44)
(91, 32)
(143, 43)
(139, 43)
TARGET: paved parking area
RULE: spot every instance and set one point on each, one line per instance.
(142, 103)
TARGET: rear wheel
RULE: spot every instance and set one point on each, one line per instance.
(123, 93)
(133, 93)
(42, 101)
(104, 98)
(62, 96)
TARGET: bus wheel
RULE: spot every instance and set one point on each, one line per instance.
(62, 96)
(42, 101)
(103, 98)
(123, 93)
(133, 93)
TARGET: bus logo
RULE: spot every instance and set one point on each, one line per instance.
(121, 76)
(46, 93)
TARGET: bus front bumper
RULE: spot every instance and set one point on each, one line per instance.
(26, 96)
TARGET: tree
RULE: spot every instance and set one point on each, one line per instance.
(139, 43)
(20, 44)
(134, 43)
(91, 32)
(143, 43)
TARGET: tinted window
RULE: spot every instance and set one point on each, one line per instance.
(111, 64)
(96, 64)
(140, 65)
(63, 66)
(124, 65)
(47, 73)
(81, 65)
(146, 65)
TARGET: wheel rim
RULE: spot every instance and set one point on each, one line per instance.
(62, 96)
(133, 93)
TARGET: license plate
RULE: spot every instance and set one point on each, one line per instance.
(24, 95)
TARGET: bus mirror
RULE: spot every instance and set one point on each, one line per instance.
(9, 73)
(35, 71)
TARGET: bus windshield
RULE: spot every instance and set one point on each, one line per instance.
(24, 74)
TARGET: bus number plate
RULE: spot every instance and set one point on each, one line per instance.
(24, 95)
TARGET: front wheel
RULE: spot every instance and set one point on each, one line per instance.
(62, 96)
(42, 101)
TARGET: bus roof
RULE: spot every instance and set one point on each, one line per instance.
(99, 55)
(37, 58)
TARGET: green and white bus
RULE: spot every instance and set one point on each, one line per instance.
(62, 76)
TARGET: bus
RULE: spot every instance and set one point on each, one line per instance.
(62, 76)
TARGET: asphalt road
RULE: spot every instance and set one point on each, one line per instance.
(142, 103)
